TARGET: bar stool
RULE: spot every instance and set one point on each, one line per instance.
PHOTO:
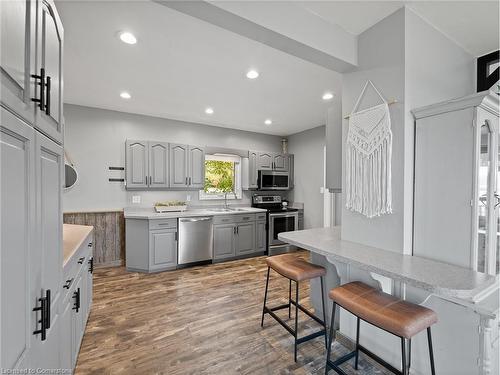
(296, 269)
(401, 318)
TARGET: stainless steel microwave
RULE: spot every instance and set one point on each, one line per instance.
(272, 180)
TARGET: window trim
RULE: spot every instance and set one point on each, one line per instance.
(237, 178)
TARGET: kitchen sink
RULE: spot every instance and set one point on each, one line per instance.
(227, 209)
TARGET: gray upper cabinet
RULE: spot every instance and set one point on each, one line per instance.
(280, 162)
(265, 160)
(17, 146)
(136, 156)
(158, 165)
(245, 238)
(252, 170)
(224, 241)
(17, 60)
(196, 159)
(49, 68)
(179, 165)
(162, 249)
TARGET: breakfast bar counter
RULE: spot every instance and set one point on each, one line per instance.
(439, 278)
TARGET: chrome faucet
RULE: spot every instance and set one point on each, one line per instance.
(226, 206)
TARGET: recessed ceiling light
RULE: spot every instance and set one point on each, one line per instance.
(127, 37)
(268, 121)
(125, 95)
(209, 111)
(252, 74)
(327, 96)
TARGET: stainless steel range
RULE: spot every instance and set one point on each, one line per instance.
(280, 219)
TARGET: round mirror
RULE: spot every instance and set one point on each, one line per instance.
(71, 176)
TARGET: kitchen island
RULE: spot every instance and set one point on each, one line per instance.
(466, 301)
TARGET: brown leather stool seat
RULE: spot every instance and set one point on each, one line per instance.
(401, 318)
(383, 310)
(294, 268)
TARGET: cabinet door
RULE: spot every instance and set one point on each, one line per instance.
(260, 236)
(245, 238)
(136, 164)
(224, 241)
(196, 167)
(66, 334)
(178, 165)
(78, 319)
(158, 165)
(17, 214)
(50, 58)
(252, 170)
(17, 43)
(265, 161)
(47, 270)
(280, 162)
(162, 248)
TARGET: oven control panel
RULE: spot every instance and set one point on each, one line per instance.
(267, 199)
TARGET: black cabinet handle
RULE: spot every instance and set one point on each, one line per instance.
(41, 77)
(186, 180)
(44, 321)
(90, 244)
(76, 296)
(80, 261)
(47, 102)
(68, 283)
(91, 265)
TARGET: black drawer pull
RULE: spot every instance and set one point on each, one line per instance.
(91, 265)
(47, 102)
(44, 321)
(90, 244)
(41, 77)
(76, 296)
(80, 261)
(68, 283)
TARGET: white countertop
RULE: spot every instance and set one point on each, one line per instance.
(435, 277)
(149, 213)
(73, 237)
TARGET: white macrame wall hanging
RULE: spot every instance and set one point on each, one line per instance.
(368, 159)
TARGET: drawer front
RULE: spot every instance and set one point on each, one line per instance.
(242, 218)
(224, 219)
(261, 216)
(162, 224)
(76, 265)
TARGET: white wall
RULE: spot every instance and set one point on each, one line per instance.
(307, 148)
(95, 139)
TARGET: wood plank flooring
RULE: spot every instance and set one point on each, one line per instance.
(201, 320)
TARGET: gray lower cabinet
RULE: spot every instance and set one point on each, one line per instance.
(151, 245)
(162, 249)
(260, 235)
(224, 241)
(245, 238)
(238, 235)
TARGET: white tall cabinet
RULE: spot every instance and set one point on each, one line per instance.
(31, 135)
(457, 181)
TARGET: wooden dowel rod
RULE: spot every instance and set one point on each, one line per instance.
(390, 102)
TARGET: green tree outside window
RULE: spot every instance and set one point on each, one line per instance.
(219, 176)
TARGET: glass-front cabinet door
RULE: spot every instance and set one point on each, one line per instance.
(487, 185)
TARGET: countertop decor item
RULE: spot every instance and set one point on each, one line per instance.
(368, 159)
(170, 206)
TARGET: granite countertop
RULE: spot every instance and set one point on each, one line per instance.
(433, 276)
(149, 213)
(73, 237)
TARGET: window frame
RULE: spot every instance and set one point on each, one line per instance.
(237, 178)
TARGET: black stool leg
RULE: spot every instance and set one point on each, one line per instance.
(403, 356)
(324, 310)
(265, 298)
(431, 354)
(409, 355)
(296, 318)
(330, 337)
(290, 300)
(356, 358)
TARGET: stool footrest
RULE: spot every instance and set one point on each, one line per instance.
(311, 336)
(334, 365)
(279, 320)
(310, 314)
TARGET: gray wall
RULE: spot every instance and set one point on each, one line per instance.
(308, 149)
(411, 61)
(95, 139)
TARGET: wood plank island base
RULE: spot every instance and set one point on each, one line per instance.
(201, 320)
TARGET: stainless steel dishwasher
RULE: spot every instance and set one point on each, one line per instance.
(195, 239)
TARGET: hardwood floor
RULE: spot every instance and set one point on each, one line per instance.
(201, 320)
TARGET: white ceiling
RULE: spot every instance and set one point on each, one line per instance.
(182, 65)
(474, 25)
